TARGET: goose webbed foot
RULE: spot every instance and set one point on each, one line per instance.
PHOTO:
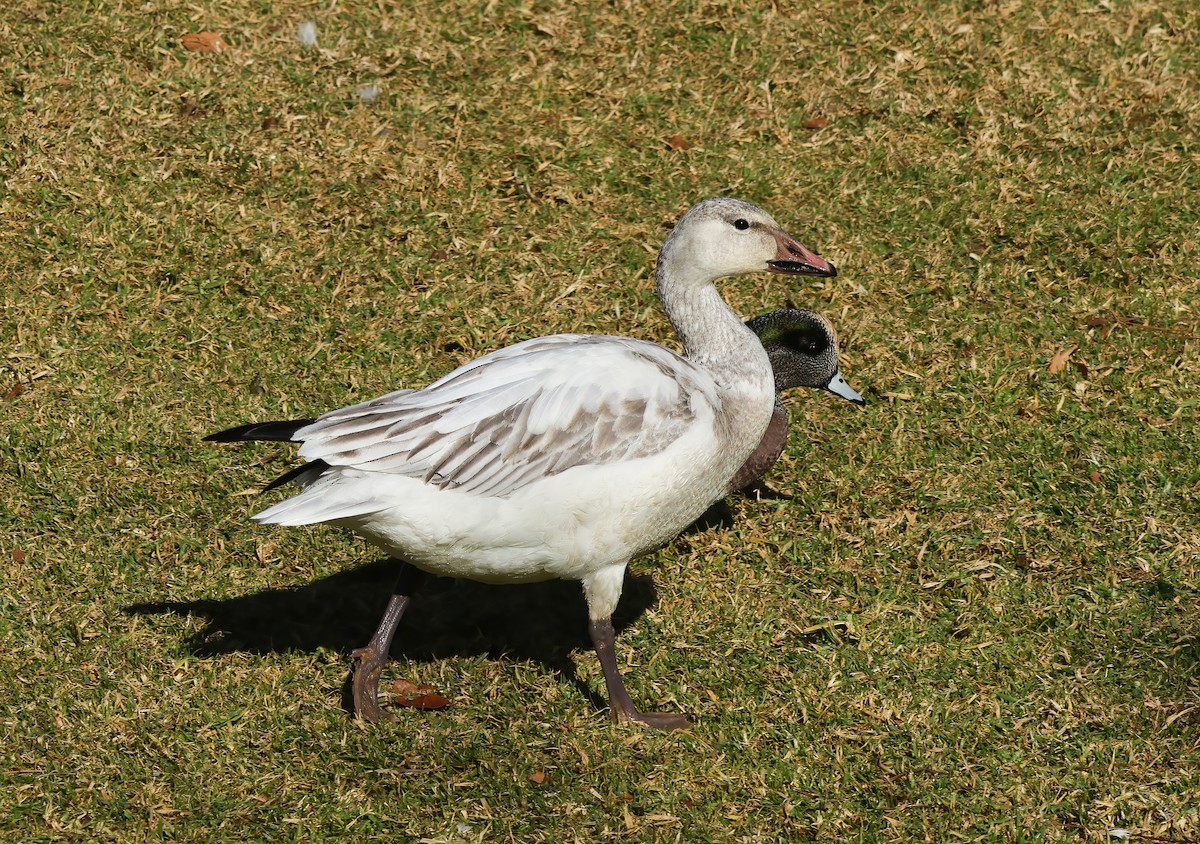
(620, 705)
(370, 659)
(368, 663)
(663, 720)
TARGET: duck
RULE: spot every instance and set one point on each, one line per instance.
(564, 456)
(803, 350)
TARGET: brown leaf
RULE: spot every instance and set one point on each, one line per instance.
(1059, 362)
(1095, 477)
(191, 108)
(679, 143)
(547, 26)
(538, 777)
(18, 555)
(815, 123)
(16, 390)
(203, 42)
(416, 695)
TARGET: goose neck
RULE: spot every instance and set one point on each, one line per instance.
(712, 334)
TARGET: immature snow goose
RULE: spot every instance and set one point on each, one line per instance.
(802, 347)
(559, 457)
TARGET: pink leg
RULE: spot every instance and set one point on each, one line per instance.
(620, 705)
(370, 660)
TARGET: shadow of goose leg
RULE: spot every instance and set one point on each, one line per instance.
(370, 660)
(620, 705)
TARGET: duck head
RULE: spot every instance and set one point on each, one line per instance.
(802, 346)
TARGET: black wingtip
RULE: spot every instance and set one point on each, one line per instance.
(316, 468)
(282, 431)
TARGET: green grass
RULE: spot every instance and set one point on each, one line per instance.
(974, 616)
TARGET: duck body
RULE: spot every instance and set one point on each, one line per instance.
(770, 449)
(560, 457)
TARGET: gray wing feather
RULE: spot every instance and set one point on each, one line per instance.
(523, 413)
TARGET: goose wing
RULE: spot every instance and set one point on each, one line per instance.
(521, 414)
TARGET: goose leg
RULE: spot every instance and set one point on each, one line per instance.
(620, 705)
(369, 660)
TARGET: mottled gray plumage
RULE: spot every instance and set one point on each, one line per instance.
(517, 415)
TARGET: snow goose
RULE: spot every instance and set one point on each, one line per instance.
(560, 457)
(802, 347)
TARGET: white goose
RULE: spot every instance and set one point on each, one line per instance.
(559, 457)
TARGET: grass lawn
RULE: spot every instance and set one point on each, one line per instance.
(972, 613)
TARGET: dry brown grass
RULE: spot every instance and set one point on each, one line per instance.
(973, 618)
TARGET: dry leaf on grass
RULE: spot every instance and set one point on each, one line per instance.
(1059, 362)
(679, 143)
(203, 42)
(416, 696)
(815, 123)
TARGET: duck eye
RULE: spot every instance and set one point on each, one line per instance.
(805, 342)
(740, 224)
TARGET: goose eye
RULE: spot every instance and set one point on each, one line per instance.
(740, 224)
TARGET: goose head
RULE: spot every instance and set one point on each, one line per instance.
(803, 350)
(723, 237)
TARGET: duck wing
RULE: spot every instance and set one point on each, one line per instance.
(521, 414)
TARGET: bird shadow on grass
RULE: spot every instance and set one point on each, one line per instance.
(541, 622)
